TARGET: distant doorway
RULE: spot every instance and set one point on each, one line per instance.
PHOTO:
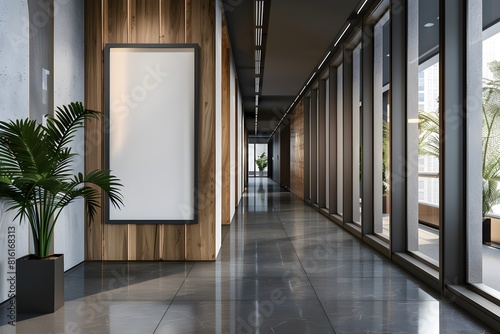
(257, 154)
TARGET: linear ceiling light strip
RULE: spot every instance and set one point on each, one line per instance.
(342, 35)
(361, 8)
(313, 75)
(259, 22)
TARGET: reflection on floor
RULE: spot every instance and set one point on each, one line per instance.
(283, 268)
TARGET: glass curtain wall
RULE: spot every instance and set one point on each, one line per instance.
(340, 142)
(423, 133)
(357, 135)
(490, 153)
(382, 128)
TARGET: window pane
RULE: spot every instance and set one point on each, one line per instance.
(423, 132)
(340, 142)
(357, 134)
(490, 246)
(382, 128)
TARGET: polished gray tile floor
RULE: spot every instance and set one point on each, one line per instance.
(283, 268)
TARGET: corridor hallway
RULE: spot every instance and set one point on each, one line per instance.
(283, 268)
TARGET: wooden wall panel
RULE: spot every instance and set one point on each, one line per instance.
(200, 28)
(144, 27)
(172, 21)
(297, 151)
(146, 241)
(173, 242)
(116, 31)
(144, 21)
(284, 152)
(226, 128)
(148, 21)
(93, 129)
(116, 24)
(236, 146)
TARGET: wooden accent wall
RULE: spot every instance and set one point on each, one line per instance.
(284, 152)
(297, 150)
(226, 126)
(236, 146)
(152, 21)
(93, 130)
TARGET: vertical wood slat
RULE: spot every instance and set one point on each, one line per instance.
(226, 128)
(285, 156)
(236, 146)
(200, 28)
(145, 21)
(174, 242)
(93, 100)
(144, 239)
(115, 31)
(314, 145)
(297, 151)
(245, 155)
(172, 22)
(116, 21)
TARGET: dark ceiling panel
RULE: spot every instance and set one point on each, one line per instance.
(299, 34)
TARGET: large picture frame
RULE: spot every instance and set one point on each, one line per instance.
(152, 102)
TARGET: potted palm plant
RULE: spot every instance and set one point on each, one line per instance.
(429, 143)
(37, 182)
(261, 162)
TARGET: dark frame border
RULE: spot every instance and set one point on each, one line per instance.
(195, 48)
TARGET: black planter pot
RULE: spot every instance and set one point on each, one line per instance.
(39, 284)
(487, 231)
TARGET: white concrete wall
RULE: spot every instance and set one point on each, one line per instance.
(14, 99)
(69, 87)
(14, 103)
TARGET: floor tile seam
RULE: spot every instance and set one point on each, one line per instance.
(399, 301)
(162, 317)
(307, 277)
(173, 298)
(246, 277)
(166, 302)
(407, 301)
(245, 299)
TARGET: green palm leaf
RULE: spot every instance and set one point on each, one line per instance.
(36, 177)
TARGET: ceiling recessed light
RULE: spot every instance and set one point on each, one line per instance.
(414, 120)
(429, 24)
